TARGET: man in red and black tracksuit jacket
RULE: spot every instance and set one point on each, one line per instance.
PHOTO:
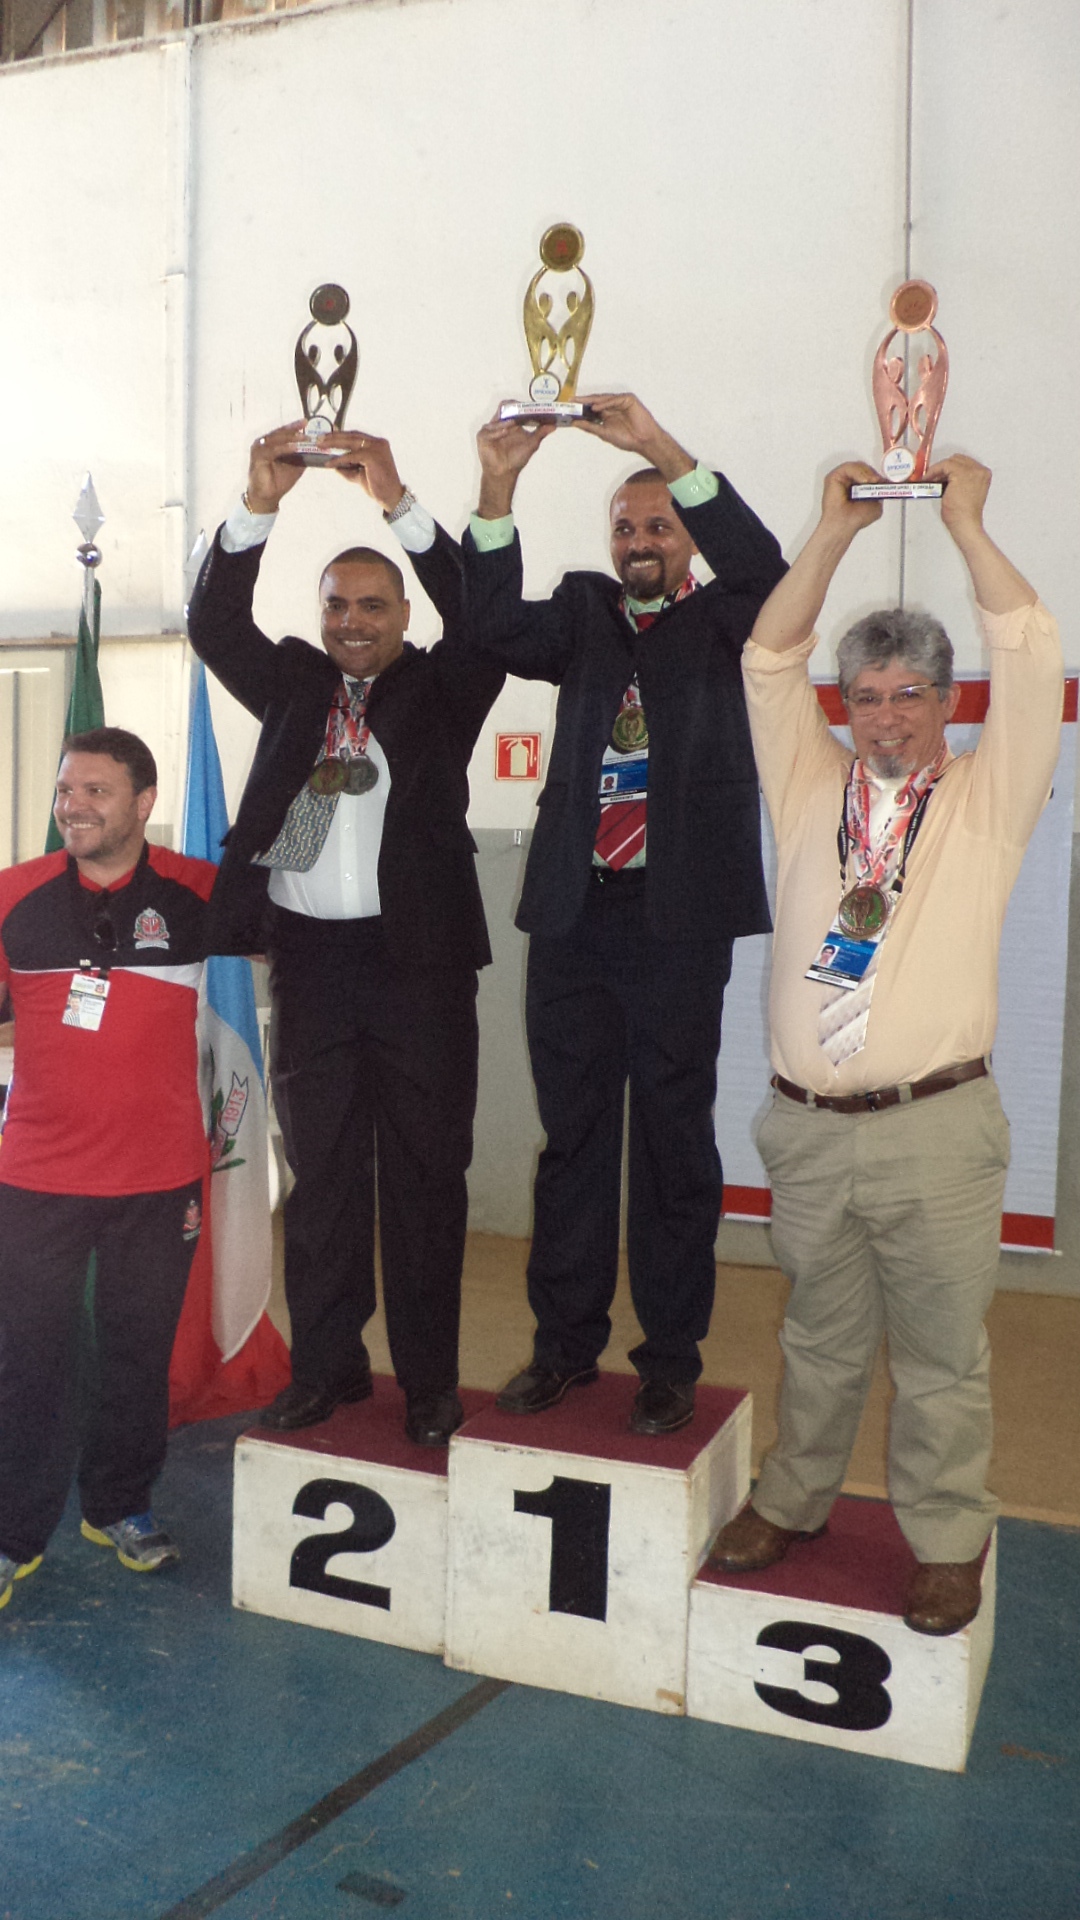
(103, 1152)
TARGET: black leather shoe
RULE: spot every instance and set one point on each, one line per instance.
(431, 1418)
(661, 1406)
(541, 1387)
(298, 1406)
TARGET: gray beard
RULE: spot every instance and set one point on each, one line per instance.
(887, 766)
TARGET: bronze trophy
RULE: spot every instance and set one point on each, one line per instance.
(325, 361)
(559, 309)
(907, 425)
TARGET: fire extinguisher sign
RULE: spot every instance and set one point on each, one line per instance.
(517, 756)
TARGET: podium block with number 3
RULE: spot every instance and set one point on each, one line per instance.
(573, 1542)
(816, 1648)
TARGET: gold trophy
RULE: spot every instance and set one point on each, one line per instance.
(325, 362)
(907, 425)
(559, 309)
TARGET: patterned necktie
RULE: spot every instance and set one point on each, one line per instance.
(620, 836)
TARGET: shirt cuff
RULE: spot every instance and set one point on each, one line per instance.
(694, 489)
(490, 535)
(243, 529)
(764, 660)
(415, 529)
(1010, 631)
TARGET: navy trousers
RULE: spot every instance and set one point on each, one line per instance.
(607, 1005)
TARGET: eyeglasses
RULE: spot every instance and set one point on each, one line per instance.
(102, 927)
(905, 699)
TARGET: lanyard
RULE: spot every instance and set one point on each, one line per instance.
(845, 840)
(90, 904)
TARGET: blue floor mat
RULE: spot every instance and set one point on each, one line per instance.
(151, 1738)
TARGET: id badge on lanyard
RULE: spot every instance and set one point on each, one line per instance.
(85, 1006)
(862, 918)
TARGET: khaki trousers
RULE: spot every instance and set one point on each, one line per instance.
(888, 1223)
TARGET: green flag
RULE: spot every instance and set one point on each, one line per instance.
(86, 708)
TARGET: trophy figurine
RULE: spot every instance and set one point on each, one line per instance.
(558, 316)
(907, 425)
(325, 361)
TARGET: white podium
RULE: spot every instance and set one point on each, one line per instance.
(343, 1525)
(816, 1648)
(573, 1542)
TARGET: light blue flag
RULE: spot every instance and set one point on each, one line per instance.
(231, 1071)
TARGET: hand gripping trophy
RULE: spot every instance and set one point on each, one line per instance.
(325, 361)
(559, 308)
(907, 425)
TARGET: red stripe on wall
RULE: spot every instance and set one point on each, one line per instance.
(972, 707)
(1017, 1229)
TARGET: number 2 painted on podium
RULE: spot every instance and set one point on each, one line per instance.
(373, 1525)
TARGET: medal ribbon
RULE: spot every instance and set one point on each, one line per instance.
(347, 731)
(874, 864)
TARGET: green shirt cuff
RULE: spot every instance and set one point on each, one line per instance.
(492, 534)
(692, 489)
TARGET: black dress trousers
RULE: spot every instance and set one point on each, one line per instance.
(374, 1076)
(607, 1004)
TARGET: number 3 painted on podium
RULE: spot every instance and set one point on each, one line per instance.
(862, 1703)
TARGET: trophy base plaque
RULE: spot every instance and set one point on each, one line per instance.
(898, 490)
(563, 412)
(310, 452)
(306, 459)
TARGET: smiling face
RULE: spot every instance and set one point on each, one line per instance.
(364, 618)
(101, 817)
(898, 737)
(650, 547)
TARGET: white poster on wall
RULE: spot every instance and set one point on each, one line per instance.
(1027, 1052)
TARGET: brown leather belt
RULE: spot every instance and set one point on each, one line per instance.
(885, 1096)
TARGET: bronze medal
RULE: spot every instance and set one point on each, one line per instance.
(863, 912)
(329, 777)
(630, 734)
(363, 774)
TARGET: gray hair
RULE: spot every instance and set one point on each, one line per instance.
(917, 639)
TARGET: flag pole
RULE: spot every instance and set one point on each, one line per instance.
(88, 517)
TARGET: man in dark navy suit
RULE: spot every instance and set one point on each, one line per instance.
(352, 867)
(645, 865)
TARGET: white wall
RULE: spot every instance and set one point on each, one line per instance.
(737, 169)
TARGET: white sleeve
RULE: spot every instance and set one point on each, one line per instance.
(243, 529)
(415, 529)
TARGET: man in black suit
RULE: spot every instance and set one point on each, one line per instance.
(645, 865)
(352, 867)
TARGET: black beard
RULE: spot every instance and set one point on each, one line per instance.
(627, 577)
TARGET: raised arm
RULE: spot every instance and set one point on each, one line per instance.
(999, 588)
(221, 624)
(791, 611)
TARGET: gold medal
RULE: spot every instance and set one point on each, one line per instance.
(329, 777)
(630, 733)
(863, 912)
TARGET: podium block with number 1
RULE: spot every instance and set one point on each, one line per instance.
(573, 1542)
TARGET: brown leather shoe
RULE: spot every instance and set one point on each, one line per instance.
(943, 1595)
(750, 1542)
